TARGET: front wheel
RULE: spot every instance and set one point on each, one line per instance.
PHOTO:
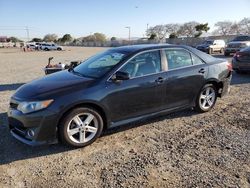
(206, 98)
(81, 127)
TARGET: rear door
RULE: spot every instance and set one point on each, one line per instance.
(185, 76)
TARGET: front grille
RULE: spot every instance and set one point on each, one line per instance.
(234, 45)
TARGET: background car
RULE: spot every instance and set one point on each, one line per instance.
(237, 44)
(241, 60)
(47, 47)
(211, 46)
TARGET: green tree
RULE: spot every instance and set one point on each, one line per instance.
(152, 36)
(67, 38)
(200, 28)
(36, 40)
(50, 38)
(173, 36)
(14, 39)
(113, 38)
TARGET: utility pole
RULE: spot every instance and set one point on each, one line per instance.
(28, 33)
(128, 27)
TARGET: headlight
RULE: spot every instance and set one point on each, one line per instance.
(27, 107)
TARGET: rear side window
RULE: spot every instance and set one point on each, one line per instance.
(178, 58)
(196, 60)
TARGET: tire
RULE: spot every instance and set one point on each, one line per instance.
(46, 49)
(73, 133)
(222, 50)
(210, 51)
(59, 49)
(226, 54)
(202, 101)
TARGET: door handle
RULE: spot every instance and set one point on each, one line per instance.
(202, 71)
(159, 80)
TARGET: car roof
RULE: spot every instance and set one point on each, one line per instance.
(144, 47)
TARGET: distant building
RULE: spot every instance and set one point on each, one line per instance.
(3, 39)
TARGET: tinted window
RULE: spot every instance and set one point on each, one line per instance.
(99, 64)
(242, 38)
(196, 60)
(143, 64)
(178, 58)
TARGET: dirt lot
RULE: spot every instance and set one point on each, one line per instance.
(183, 149)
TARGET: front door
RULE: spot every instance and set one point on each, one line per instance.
(142, 93)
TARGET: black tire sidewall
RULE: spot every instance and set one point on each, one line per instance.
(64, 123)
(197, 105)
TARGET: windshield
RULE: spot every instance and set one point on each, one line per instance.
(241, 38)
(208, 42)
(100, 64)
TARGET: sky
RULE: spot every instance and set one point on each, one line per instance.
(84, 17)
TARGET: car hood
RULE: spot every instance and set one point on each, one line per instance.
(239, 42)
(56, 83)
(202, 45)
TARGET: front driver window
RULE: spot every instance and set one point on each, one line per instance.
(143, 64)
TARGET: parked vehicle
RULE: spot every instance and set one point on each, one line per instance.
(118, 86)
(237, 44)
(241, 60)
(211, 46)
(47, 47)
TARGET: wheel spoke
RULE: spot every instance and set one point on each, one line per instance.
(204, 103)
(203, 96)
(91, 129)
(88, 119)
(210, 103)
(78, 120)
(82, 137)
(207, 91)
(73, 131)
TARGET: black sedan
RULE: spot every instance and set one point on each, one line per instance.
(113, 88)
(241, 60)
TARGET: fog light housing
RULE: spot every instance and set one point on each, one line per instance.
(30, 133)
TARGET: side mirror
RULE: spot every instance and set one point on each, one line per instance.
(120, 76)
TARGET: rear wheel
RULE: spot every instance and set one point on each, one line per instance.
(222, 50)
(206, 99)
(81, 127)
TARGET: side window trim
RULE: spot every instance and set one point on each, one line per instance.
(166, 61)
(139, 53)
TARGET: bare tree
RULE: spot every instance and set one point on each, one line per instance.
(188, 29)
(245, 25)
(223, 28)
(159, 31)
(235, 28)
(172, 28)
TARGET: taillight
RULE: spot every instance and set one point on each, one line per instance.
(239, 54)
(229, 66)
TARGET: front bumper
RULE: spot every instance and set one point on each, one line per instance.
(232, 50)
(43, 125)
(240, 66)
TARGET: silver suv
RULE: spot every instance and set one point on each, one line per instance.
(237, 44)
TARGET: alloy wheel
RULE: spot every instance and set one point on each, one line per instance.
(207, 98)
(82, 128)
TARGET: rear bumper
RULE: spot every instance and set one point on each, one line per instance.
(232, 50)
(226, 85)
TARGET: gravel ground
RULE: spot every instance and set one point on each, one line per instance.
(183, 149)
